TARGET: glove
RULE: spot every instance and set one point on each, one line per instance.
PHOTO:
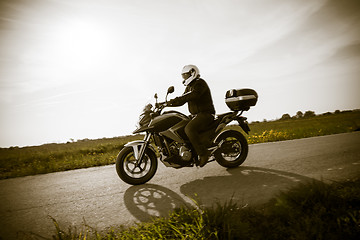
(172, 102)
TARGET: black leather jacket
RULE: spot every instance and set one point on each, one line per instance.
(198, 96)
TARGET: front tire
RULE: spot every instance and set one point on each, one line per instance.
(132, 173)
(233, 149)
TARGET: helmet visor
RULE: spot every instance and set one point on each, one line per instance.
(186, 75)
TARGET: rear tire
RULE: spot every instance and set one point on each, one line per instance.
(234, 149)
(132, 174)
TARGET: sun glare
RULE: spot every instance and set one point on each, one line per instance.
(78, 45)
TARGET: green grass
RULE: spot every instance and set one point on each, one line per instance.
(17, 162)
(312, 210)
(304, 127)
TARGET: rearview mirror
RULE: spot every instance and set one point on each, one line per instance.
(171, 89)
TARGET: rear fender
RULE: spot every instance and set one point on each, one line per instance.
(137, 147)
(218, 144)
(216, 138)
(243, 124)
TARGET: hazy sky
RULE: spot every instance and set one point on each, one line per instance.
(85, 68)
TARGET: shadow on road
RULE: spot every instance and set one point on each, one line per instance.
(150, 200)
(244, 185)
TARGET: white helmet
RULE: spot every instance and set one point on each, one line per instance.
(189, 73)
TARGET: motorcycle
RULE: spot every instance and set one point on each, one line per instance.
(165, 139)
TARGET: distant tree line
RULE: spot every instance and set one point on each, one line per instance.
(309, 114)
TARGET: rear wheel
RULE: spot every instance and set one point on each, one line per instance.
(129, 169)
(233, 149)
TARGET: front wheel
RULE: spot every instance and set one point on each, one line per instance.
(233, 149)
(129, 169)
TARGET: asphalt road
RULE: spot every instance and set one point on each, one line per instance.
(102, 199)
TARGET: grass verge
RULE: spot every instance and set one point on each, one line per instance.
(314, 210)
(18, 162)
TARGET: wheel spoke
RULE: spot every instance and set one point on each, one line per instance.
(231, 149)
(136, 168)
(133, 169)
(141, 169)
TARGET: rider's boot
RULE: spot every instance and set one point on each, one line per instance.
(204, 159)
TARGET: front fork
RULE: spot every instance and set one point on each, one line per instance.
(139, 148)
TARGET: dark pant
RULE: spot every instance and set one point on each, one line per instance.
(198, 124)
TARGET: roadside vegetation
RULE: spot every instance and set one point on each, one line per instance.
(312, 210)
(17, 162)
(304, 125)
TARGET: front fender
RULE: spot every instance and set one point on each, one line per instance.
(136, 146)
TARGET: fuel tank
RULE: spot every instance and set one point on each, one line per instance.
(166, 120)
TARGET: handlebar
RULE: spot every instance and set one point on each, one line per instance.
(161, 105)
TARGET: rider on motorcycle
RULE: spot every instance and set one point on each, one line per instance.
(198, 96)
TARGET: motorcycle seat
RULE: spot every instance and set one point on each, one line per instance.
(218, 118)
(221, 116)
